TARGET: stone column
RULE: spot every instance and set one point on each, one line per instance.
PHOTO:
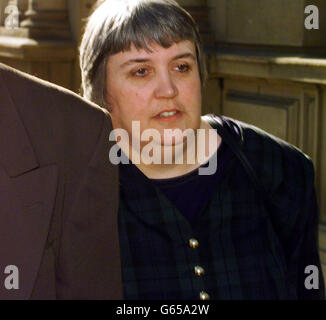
(46, 20)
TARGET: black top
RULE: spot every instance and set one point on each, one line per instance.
(190, 192)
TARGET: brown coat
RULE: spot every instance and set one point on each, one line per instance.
(58, 193)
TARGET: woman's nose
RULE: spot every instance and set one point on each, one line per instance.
(165, 87)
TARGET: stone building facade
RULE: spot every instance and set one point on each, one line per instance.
(265, 66)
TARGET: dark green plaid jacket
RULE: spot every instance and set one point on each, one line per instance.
(246, 250)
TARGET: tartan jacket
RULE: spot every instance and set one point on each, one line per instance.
(247, 250)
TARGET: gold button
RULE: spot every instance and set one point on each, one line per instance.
(193, 243)
(199, 270)
(204, 295)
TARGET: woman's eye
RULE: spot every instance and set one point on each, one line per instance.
(140, 72)
(183, 67)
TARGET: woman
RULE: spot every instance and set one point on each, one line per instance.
(187, 230)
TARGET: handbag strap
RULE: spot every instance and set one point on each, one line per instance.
(221, 125)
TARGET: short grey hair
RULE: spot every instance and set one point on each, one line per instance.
(115, 25)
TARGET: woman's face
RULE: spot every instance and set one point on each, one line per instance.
(161, 89)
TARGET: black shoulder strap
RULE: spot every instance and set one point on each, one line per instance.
(220, 125)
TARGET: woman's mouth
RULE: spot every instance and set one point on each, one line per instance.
(168, 115)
